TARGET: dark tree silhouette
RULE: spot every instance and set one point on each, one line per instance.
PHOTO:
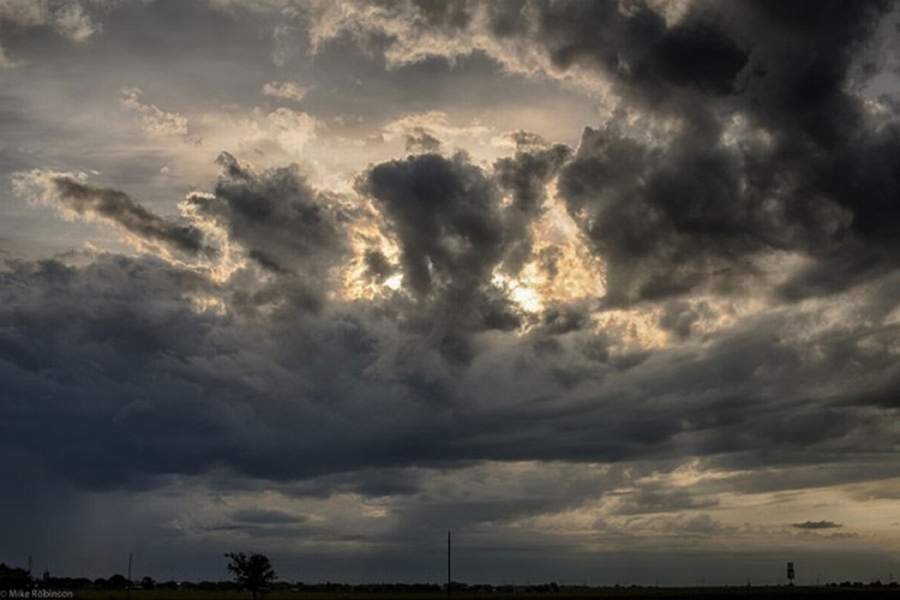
(118, 582)
(252, 572)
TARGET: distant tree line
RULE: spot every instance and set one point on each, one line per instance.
(257, 576)
(872, 584)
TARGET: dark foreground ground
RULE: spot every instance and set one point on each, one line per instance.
(704, 593)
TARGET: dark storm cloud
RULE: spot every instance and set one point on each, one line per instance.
(284, 225)
(117, 207)
(88, 372)
(679, 317)
(454, 230)
(147, 370)
(525, 176)
(671, 219)
(112, 358)
(776, 62)
(812, 173)
(633, 43)
(282, 222)
(444, 403)
(446, 215)
(692, 212)
(657, 215)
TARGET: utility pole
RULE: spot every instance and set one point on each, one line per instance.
(130, 568)
(449, 572)
(29, 564)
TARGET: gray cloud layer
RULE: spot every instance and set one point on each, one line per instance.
(740, 197)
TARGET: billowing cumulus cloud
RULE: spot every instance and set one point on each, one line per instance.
(335, 333)
(782, 79)
(525, 177)
(276, 216)
(445, 212)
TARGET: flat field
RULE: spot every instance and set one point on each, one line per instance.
(663, 593)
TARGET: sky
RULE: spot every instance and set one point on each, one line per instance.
(611, 289)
